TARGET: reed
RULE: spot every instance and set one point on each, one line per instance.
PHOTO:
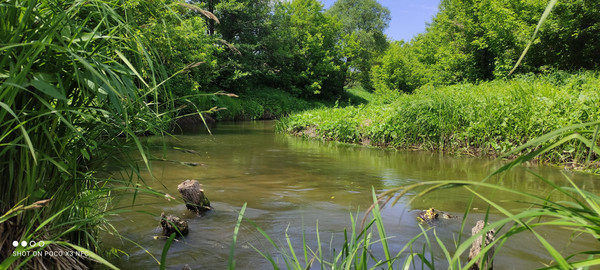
(354, 253)
(77, 85)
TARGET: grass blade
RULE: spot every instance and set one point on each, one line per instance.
(231, 261)
(165, 251)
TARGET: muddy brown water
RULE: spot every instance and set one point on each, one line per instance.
(291, 184)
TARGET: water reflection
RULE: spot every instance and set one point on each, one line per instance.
(291, 183)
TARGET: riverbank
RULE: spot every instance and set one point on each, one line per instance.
(260, 104)
(489, 118)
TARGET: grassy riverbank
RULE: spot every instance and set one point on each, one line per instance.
(266, 104)
(489, 118)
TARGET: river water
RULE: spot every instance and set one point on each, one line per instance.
(291, 184)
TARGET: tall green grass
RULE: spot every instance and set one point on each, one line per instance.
(77, 85)
(488, 118)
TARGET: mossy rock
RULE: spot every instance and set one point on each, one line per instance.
(432, 216)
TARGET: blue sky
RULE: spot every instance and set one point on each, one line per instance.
(408, 17)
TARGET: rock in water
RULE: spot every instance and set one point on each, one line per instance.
(432, 215)
(476, 247)
(172, 224)
(194, 197)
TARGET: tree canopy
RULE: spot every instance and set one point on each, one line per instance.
(479, 40)
(364, 22)
(310, 52)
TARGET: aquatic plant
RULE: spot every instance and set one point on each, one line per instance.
(355, 252)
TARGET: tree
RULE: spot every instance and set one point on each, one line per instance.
(363, 23)
(304, 54)
(570, 39)
(398, 69)
(244, 26)
(478, 40)
(210, 7)
(177, 31)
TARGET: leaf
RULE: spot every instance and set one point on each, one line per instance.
(89, 254)
(25, 133)
(231, 263)
(537, 28)
(48, 89)
(165, 251)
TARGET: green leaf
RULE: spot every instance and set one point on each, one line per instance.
(25, 133)
(165, 251)
(48, 89)
(231, 262)
(90, 254)
(537, 28)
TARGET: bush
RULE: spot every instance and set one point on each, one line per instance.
(488, 118)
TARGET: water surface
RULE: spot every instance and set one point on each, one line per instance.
(291, 184)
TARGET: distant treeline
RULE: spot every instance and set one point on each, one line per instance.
(473, 41)
(308, 52)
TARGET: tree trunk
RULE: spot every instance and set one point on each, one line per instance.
(477, 246)
(172, 224)
(193, 195)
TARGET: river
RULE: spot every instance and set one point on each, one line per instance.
(290, 184)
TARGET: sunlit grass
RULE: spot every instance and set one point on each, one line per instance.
(489, 118)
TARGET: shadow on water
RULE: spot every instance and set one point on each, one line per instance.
(290, 184)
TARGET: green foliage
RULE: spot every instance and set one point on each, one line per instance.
(472, 41)
(177, 33)
(304, 51)
(78, 83)
(363, 23)
(264, 103)
(398, 70)
(245, 25)
(570, 37)
(491, 117)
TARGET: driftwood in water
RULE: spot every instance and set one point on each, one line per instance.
(194, 197)
(172, 224)
(477, 246)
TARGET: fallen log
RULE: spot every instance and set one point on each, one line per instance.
(172, 224)
(194, 197)
(487, 262)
